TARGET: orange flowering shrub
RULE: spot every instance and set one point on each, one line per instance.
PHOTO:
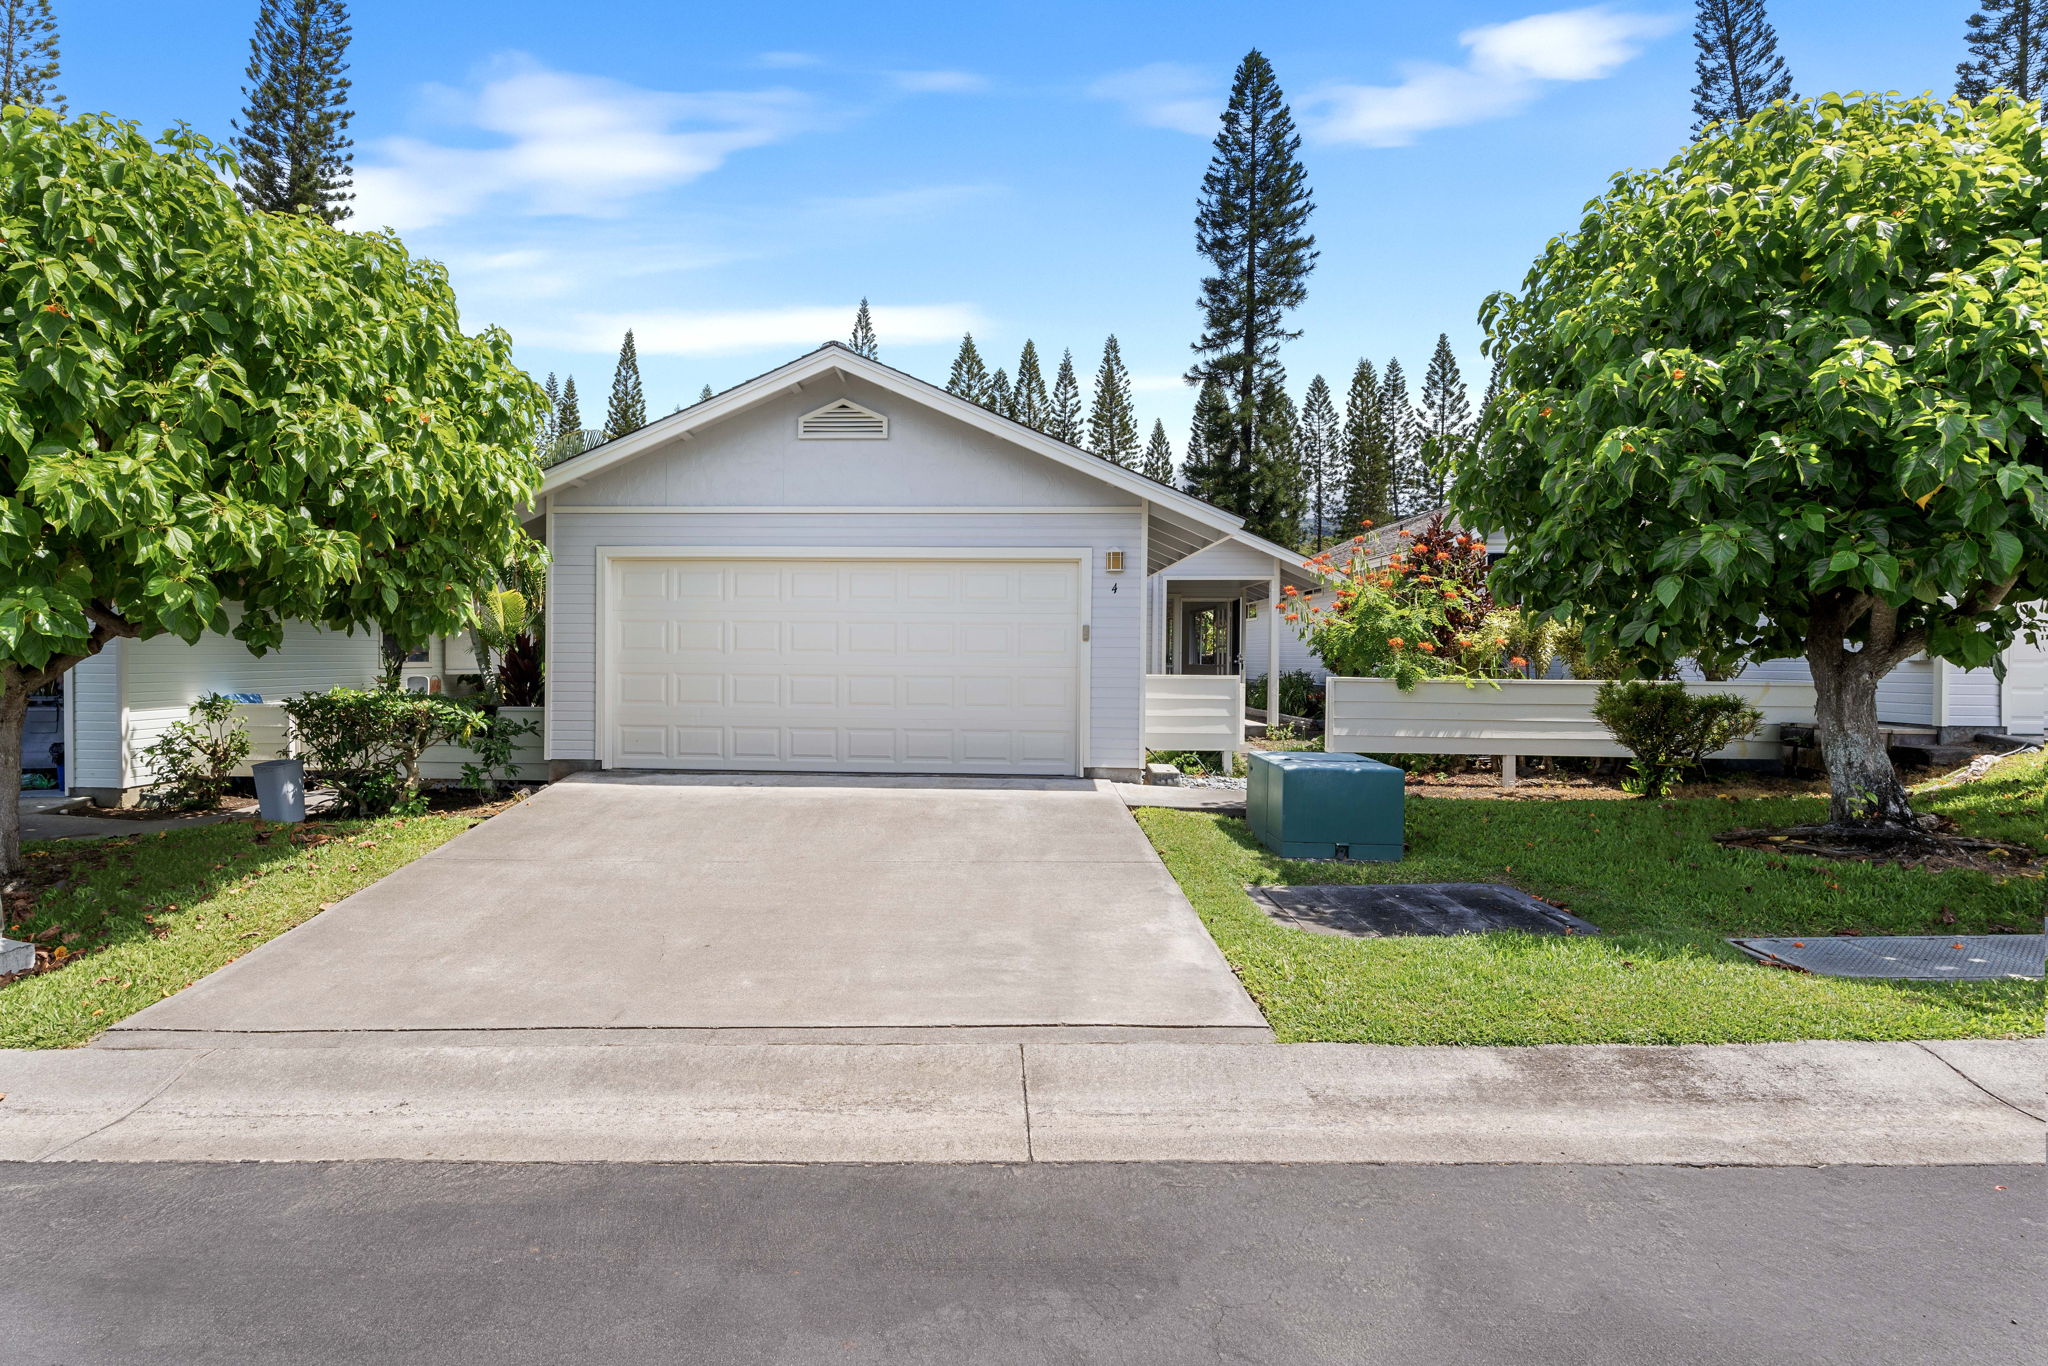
(1420, 614)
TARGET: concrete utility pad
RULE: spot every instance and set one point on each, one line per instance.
(1419, 908)
(1908, 957)
(826, 908)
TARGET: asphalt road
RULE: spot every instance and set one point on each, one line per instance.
(397, 1264)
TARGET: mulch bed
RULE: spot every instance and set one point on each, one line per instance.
(1938, 848)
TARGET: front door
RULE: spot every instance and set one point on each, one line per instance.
(1208, 637)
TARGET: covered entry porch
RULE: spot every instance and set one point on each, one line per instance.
(1214, 622)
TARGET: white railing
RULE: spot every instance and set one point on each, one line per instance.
(442, 762)
(1522, 717)
(1194, 711)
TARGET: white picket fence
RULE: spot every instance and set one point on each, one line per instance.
(441, 763)
(1521, 717)
(1194, 711)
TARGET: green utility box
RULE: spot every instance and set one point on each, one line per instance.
(1326, 806)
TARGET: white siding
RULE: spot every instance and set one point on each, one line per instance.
(1227, 559)
(1115, 599)
(163, 675)
(755, 460)
(92, 703)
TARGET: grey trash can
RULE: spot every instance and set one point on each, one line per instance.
(281, 789)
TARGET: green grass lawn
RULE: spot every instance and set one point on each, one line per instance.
(1665, 895)
(146, 915)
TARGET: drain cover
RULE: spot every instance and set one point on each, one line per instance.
(1391, 909)
(1914, 957)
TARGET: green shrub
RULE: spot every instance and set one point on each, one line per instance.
(367, 745)
(1670, 730)
(194, 760)
(1301, 693)
(492, 740)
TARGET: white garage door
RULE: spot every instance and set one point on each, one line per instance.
(912, 666)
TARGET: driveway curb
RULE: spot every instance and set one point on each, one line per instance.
(1788, 1104)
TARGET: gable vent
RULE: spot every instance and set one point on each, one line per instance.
(843, 420)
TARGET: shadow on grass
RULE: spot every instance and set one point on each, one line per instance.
(87, 897)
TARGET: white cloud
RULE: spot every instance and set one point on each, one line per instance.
(788, 60)
(1508, 65)
(733, 331)
(1158, 384)
(564, 143)
(939, 82)
(1165, 95)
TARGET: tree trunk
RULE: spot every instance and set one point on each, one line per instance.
(13, 714)
(1863, 787)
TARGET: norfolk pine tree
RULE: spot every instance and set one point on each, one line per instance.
(210, 425)
(1063, 417)
(1251, 225)
(1210, 430)
(28, 55)
(1158, 459)
(1112, 425)
(1277, 507)
(1737, 62)
(1368, 459)
(863, 341)
(1029, 403)
(1443, 426)
(1319, 445)
(704, 393)
(291, 141)
(999, 399)
(1784, 397)
(2008, 42)
(627, 410)
(1396, 427)
(550, 427)
(568, 422)
(970, 377)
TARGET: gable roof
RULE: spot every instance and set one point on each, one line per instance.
(837, 358)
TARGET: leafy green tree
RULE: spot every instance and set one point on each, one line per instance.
(1112, 423)
(1319, 446)
(1209, 431)
(219, 421)
(627, 411)
(28, 55)
(1063, 417)
(291, 141)
(1443, 427)
(970, 376)
(1157, 462)
(863, 339)
(1368, 458)
(1029, 403)
(1784, 396)
(1251, 224)
(2008, 42)
(1738, 64)
(998, 399)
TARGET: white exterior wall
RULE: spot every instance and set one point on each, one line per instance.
(92, 719)
(934, 483)
(164, 676)
(1294, 653)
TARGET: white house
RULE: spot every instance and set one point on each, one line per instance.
(832, 567)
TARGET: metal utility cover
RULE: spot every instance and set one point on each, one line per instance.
(1388, 910)
(1912, 957)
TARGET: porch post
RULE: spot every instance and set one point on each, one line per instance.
(1273, 653)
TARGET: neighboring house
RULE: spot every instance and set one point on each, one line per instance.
(1945, 697)
(118, 702)
(832, 567)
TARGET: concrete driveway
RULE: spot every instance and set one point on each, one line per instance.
(616, 909)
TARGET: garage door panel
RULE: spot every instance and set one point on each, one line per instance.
(915, 666)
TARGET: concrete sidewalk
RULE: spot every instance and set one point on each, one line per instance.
(1793, 1104)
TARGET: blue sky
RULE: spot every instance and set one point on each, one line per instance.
(729, 180)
